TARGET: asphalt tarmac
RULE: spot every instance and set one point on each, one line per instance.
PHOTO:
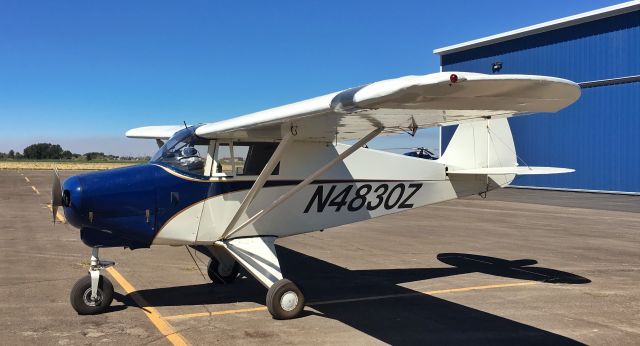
(519, 267)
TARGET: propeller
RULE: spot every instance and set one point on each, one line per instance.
(56, 193)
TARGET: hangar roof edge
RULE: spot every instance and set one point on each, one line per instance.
(585, 17)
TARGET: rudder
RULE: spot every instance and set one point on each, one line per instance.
(482, 144)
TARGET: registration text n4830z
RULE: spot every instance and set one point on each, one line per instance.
(354, 198)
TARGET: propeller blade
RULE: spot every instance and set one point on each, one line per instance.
(56, 193)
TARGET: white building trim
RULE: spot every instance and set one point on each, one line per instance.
(585, 17)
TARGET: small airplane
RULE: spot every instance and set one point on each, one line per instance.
(235, 186)
(421, 152)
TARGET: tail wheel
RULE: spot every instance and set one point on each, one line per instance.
(284, 300)
(81, 296)
(220, 273)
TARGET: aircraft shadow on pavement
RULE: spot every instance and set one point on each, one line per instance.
(518, 269)
(409, 319)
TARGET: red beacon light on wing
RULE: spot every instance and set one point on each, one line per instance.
(453, 78)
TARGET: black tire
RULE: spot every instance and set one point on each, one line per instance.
(275, 300)
(81, 296)
(213, 270)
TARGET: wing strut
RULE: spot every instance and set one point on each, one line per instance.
(257, 186)
(302, 184)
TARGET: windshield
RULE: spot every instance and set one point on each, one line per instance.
(184, 151)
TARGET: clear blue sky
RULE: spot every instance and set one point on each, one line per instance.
(75, 70)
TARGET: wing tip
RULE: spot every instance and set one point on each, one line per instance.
(153, 132)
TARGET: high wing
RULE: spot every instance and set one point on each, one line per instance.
(402, 104)
(154, 132)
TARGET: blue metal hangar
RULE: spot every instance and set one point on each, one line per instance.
(599, 135)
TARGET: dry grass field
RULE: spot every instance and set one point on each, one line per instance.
(62, 165)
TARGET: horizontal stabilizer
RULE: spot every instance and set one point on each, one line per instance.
(519, 170)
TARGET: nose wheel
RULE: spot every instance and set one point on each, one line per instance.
(82, 300)
(92, 294)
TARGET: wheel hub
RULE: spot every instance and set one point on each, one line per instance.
(91, 302)
(289, 301)
(225, 271)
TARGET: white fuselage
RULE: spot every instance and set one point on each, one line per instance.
(367, 184)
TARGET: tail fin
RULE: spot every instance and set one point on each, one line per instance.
(482, 144)
(486, 149)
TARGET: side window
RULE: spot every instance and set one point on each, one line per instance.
(243, 158)
(254, 156)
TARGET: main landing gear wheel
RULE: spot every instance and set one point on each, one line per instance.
(220, 273)
(81, 300)
(284, 300)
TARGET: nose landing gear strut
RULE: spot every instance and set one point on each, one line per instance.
(92, 294)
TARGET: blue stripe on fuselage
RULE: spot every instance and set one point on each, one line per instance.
(119, 200)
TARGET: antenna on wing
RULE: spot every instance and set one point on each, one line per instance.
(185, 124)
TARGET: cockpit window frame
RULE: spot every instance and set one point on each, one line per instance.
(214, 164)
(188, 135)
(185, 135)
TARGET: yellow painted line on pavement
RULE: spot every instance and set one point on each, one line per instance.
(350, 300)
(152, 313)
(27, 179)
(34, 189)
(215, 313)
(435, 292)
(486, 287)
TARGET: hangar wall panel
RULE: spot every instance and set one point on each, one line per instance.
(603, 49)
(599, 137)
